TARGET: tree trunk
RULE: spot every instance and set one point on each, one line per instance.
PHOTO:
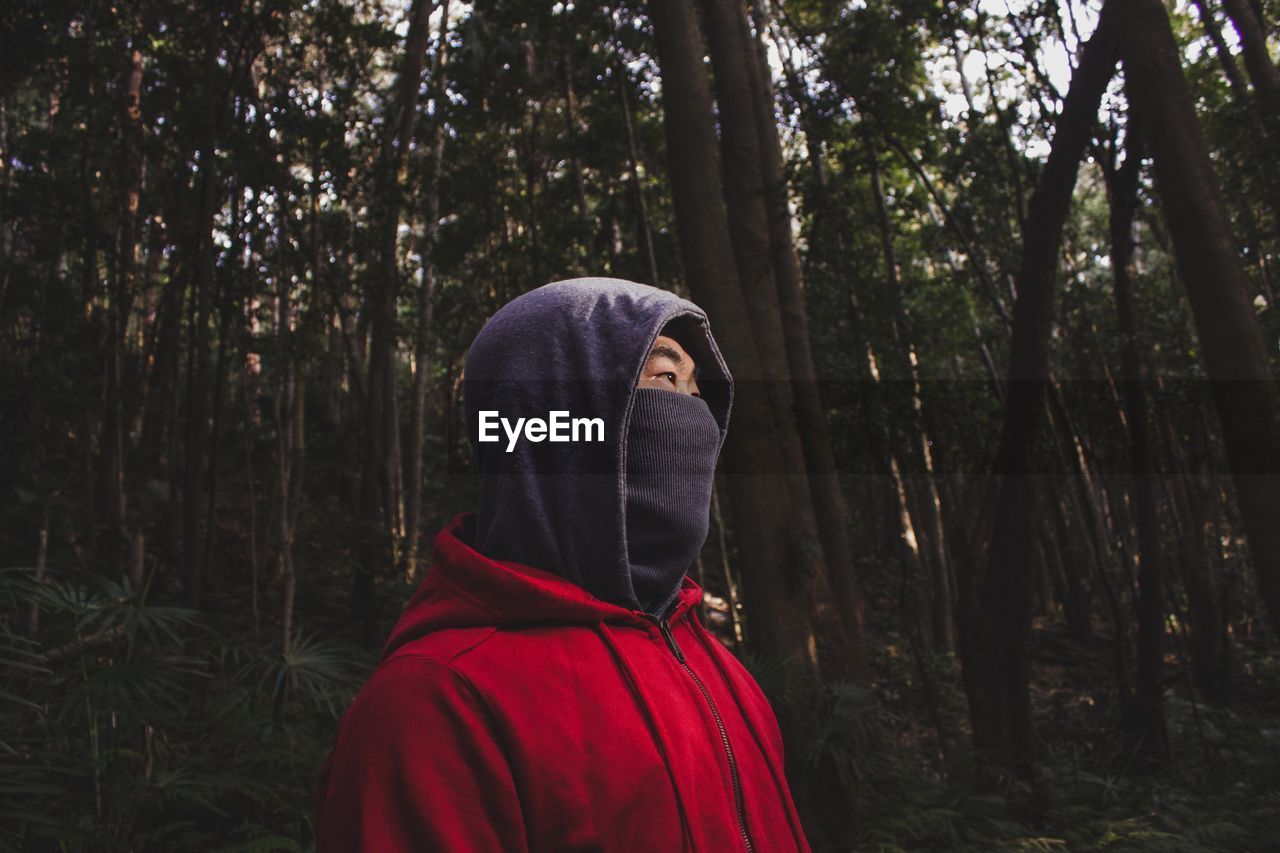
(1145, 724)
(644, 233)
(377, 494)
(1244, 389)
(820, 464)
(1220, 49)
(204, 250)
(1075, 559)
(111, 465)
(574, 127)
(158, 424)
(80, 90)
(423, 340)
(1058, 571)
(6, 190)
(291, 421)
(1191, 495)
(925, 505)
(775, 590)
(139, 394)
(1253, 43)
(1265, 76)
(744, 196)
(995, 614)
(827, 243)
(530, 155)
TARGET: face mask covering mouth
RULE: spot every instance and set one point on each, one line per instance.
(672, 443)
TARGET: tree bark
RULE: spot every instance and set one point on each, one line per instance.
(204, 250)
(1220, 49)
(1145, 727)
(1191, 495)
(830, 224)
(925, 503)
(574, 127)
(644, 233)
(995, 610)
(157, 421)
(1265, 76)
(529, 152)
(423, 334)
(1253, 43)
(777, 598)
(1243, 386)
(745, 200)
(291, 421)
(820, 464)
(377, 492)
(111, 466)
(6, 190)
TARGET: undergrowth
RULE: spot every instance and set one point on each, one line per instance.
(130, 724)
(918, 790)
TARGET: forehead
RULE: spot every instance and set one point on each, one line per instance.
(667, 346)
(666, 342)
(672, 350)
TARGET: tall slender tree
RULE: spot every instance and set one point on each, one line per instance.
(776, 591)
(1144, 723)
(742, 158)
(1242, 382)
(111, 476)
(995, 611)
(203, 249)
(381, 427)
(820, 464)
(424, 331)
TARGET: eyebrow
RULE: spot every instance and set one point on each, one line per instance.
(671, 353)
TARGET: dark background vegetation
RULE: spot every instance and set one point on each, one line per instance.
(999, 531)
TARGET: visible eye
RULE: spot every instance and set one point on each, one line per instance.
(669, 375)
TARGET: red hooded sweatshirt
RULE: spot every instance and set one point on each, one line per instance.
(515, 711)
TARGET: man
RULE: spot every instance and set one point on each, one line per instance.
(550, 687)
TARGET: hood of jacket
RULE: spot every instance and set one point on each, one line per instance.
(576, 347)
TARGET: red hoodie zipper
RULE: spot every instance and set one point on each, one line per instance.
(665, 628)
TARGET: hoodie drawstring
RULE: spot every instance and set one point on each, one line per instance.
(646, 707)
(778, 773)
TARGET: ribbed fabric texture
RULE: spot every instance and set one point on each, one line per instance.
(672, 443)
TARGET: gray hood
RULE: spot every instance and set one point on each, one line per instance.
(575, 346)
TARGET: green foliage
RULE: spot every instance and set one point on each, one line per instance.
(771, 672)
(134, 724)
(848, 719)
(1219, 795)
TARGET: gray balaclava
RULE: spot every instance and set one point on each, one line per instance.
(623, 517)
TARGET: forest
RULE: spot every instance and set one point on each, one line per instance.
(996, 281)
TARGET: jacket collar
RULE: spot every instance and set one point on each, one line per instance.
(465, 589)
